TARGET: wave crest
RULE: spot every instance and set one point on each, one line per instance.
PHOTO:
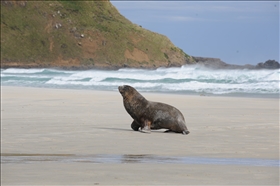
(185, 79)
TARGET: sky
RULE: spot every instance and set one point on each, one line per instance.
(237, 32)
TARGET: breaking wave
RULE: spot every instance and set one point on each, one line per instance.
(185, 79)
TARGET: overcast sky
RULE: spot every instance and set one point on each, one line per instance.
(236, 32)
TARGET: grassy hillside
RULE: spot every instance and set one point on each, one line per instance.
(79, 34)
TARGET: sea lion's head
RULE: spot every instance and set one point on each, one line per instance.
(126, 90)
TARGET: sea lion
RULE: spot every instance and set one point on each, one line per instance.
(149, 115)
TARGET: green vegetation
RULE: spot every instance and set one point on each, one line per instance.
(91, 33)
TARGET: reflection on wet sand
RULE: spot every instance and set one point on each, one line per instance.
(131, 158)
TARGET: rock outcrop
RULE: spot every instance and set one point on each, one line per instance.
(269, 64)
(217, 63)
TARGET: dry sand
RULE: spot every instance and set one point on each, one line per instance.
(59, 137)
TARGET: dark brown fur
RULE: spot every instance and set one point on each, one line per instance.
(149, 115)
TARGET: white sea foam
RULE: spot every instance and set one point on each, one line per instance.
(185, 79)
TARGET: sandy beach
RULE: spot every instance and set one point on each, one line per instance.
(83, 137)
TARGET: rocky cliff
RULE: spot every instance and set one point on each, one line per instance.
(80, 35)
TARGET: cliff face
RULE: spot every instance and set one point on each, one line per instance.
(80, 35)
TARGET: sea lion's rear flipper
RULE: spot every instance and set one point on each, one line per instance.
(185, 132)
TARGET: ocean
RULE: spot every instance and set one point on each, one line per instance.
(178, 80)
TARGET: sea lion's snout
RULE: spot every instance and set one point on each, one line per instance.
(186, 132)
(124, 89)
(120, 89)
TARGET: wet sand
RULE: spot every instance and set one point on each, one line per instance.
(83, 137)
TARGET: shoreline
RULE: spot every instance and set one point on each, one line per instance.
(237, 95)
(80, 137)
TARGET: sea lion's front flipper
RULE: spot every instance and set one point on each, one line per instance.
(135, 125)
